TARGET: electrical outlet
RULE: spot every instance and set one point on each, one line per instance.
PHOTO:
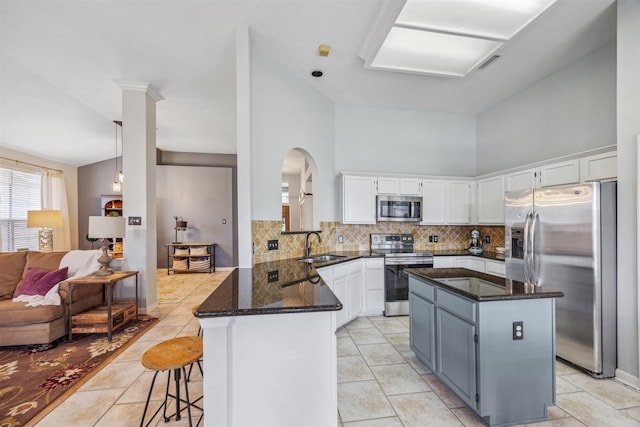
(340, 239)
(272, 276)
(272, 244)
(135, 220)
(518, 330)
(435, 239)
(430, 239)
(487, 239)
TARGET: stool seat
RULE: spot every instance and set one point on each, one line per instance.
(173, 353)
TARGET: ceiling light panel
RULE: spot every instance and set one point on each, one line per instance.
(432, 53)
(495, 19)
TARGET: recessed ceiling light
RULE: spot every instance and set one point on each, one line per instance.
(432, 53)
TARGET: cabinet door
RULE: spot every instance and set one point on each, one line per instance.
(456, 355)
(471, 263)
(341, 291)
(422, 321)
(410, 187)
(355, 289)
(497, 268)
(599, 167)
(491, 200)
(374, 286)
(523, 180)
(358, 200)
(387, 185)
(433, 202)
(444, 262)
(458, 202)
(559, 173)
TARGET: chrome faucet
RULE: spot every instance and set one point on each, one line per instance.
(307, 245)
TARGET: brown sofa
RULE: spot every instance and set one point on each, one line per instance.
(19, 324)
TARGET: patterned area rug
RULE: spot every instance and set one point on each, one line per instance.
(34, 377)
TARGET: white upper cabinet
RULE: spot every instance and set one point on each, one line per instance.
(388, 185)
(522, 180)
(446, 202)
(599, 167)
(410, 187)
(458, 202)
(399, 186)
(433, 202)
(490, 201)
(559, 173)
(358, 199)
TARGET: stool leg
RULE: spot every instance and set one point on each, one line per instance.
(166, 394)
(186, 392)
(146, 405)
(176, 376)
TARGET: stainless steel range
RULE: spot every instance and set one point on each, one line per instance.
(398, 256)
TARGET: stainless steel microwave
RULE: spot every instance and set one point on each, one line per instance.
(399, 208)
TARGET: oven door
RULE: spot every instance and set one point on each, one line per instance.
(396, 284)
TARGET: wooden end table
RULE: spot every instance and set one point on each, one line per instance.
(108, 283)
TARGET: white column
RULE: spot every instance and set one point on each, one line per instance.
(139, 186)
(243, 100)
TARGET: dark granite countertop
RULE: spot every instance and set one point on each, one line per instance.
(464, 252)
(284, 286)
(481, 286)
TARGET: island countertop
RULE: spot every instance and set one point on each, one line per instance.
(481, 286)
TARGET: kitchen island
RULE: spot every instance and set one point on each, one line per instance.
(490, 340)
(270, 355)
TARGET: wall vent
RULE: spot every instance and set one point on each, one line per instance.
(489, 61)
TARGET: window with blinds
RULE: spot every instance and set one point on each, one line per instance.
(19, 193)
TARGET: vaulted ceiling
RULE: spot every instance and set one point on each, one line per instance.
(60, 61)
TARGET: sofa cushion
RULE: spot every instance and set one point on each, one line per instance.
(44, 260)
(11, 269)
(17, 313)
(39, 281)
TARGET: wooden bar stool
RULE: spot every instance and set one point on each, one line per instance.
(193, 311)
(173, 354)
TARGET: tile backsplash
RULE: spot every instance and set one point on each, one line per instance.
(356, 238)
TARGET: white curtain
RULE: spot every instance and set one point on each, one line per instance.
(54, 197)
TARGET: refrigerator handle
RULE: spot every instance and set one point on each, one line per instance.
(532, 230)
(525, 255)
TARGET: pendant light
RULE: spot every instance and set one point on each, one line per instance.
(116, 183)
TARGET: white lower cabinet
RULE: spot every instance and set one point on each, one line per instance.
(497, 268)
(373, 287)
(349, 282)
(472, 263)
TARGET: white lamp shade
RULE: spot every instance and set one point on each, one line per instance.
(103, 227)
(45, 218)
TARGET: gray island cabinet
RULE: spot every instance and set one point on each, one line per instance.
(489, 339)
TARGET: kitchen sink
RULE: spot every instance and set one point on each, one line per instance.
(321, 258)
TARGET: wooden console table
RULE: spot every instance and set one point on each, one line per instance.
(108, 283)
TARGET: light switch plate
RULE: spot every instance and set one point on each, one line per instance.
(135, 220)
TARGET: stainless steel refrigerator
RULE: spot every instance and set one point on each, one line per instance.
(564, 238)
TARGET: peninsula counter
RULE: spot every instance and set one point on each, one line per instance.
(270, 354)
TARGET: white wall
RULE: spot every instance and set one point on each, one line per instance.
(287, 113)
(70, 180)
(628, 104)
(370, 139)
(571, 110)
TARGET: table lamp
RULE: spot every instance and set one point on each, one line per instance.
(105, 227)
(46, 220)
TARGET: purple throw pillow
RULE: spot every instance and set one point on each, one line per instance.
(38, 281)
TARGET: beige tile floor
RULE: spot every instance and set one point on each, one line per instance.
(380, 382)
